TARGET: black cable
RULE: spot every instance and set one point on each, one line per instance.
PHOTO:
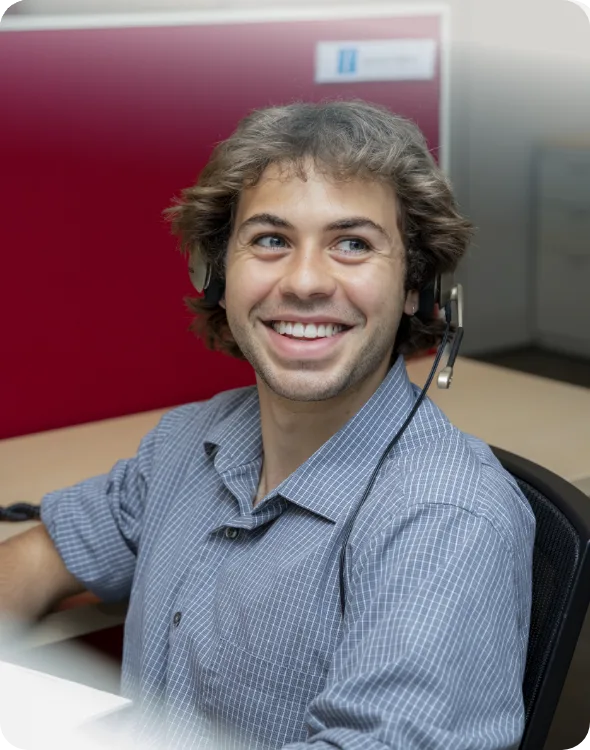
(20, 512)
(397, 436)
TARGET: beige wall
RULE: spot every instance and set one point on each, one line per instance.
(526, 79)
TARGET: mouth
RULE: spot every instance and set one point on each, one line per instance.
(295, 344)
(307, 331)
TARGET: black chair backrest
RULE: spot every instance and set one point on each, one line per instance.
(561, 588)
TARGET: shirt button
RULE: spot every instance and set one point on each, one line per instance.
(231, 533)
(176, 619)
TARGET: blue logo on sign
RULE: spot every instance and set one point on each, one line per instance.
(347, 60)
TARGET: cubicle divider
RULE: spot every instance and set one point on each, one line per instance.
(103, 122)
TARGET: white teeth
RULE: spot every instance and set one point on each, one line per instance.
(308, 331)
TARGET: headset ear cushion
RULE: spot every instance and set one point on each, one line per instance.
(214, 290)
(426, 302)
(430, 299)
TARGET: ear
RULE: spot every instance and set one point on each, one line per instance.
(222, 301)
(411, 303)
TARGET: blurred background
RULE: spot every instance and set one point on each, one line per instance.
(112, 106)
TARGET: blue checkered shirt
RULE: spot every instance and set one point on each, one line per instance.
(234, 632)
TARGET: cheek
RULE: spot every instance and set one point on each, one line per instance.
(377, 295)
(244, 289)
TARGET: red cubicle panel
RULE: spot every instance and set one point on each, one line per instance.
(99, 129)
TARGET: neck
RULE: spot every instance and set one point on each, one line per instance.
(292, 431)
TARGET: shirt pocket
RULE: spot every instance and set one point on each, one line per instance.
(282, 609)
(261, 701)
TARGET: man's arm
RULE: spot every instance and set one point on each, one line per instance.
(88, 538)
(434, 641)
(33, 576)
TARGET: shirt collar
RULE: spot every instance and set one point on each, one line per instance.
(330, 480)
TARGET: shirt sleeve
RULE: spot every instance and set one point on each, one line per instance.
(96, 524)
(434, 642)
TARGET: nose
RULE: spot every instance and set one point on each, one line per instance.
(307, 274)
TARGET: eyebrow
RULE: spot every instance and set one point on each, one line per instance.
(351, 222)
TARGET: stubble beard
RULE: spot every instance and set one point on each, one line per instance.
(303, 381)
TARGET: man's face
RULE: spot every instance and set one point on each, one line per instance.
(315, 282)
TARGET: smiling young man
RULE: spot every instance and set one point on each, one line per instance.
(321, 224)
(314, 278)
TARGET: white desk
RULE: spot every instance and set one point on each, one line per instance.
(40, 711)
(543, 420)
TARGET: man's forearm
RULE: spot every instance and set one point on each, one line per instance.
(32, 575)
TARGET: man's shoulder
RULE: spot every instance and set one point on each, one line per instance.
(457, 469)
(460, 470)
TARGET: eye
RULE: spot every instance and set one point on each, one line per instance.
(269, 241)
(353, 246)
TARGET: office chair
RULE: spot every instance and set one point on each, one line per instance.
(561, 588)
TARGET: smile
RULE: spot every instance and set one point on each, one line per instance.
(307, 330)
(294, 344)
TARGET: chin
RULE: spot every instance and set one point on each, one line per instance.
(305, 385)
(315, 380)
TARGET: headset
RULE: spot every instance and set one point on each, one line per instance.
(441, 294)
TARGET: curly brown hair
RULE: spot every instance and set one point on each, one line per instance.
(346, 139)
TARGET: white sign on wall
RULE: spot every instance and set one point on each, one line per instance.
(379, 60)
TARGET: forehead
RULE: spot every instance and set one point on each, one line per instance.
(283, 189)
